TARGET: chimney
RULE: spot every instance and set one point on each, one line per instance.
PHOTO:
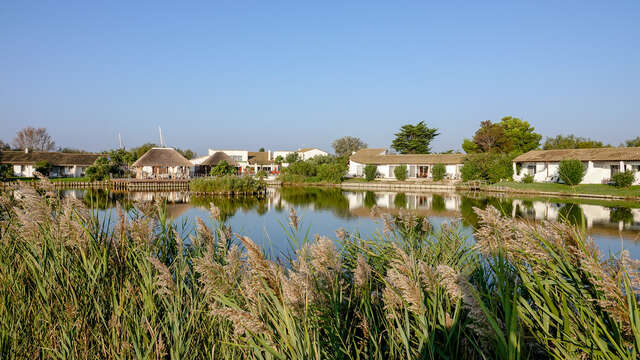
(26, 150)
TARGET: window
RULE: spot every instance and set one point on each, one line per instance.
(635, 168)
(392, 170)
(236, 157)
(531, 169)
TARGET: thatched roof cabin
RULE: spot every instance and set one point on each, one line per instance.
(162, 163)
(215, 158)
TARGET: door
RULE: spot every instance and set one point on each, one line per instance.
(423, 171)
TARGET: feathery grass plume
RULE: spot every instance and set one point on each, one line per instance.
(214, 211)
(205, 238)
(260, 267)
(324, 258)
(403, 283)
(632, 268)
(375, 212)
(426, 225)
(362, 272)
(293, 218)
(147, 208)
(388, 224)
(211, 277)
(164, 281)
(45, 184)
(243, 321)
(341, 234)
(70, 224)
(458, 287)
(32, 210)
(141, 230)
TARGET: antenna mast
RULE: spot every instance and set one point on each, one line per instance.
(120, 140)
(161, 139)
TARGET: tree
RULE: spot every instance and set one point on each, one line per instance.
(633, 142)
(188, 153)
(291, 158)
(141, 150)
(261, 149)
(491, 137)
(521, 134)
(222, 168)
(571, 172)
(278, 160)
(570, 142)
(4, 146)
(34, 139)
(71, 150)
(414, 139)
(491, 167)
(347, 145)
(100, 169)
(6, 171)
(470, 147)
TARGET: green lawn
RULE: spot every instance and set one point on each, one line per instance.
(596, 189)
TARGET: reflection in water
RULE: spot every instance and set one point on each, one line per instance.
(598, 218)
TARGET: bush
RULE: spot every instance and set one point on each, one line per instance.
(43, 167)
(100, 169)
(370, 172)
(571, 172)
(303, 168)
(400, 172)
(527, 179)
(228, 184)
(438, 172)
(6, 171)
(332, 173)
(623, 179)
(261, 175)
(223, 168)
(490, 167)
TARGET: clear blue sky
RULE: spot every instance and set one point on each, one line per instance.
(244, 74)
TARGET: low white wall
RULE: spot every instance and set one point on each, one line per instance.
(387, 171)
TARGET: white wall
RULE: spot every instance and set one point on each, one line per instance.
(597, 171)
(312, 153)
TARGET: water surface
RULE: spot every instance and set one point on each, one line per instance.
(613, 225)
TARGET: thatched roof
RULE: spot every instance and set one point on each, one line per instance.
(260, 158)
(596, 154)
(216, 157)
(379, 157)
(162, 157)
(53, 158)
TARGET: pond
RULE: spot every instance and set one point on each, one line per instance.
(613, 225)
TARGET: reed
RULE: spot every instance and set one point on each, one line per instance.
(229, 184)
(74, 287)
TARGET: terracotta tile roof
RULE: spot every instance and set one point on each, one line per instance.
(379, 157)
(595, 154)
(53, 158)
(162, 157)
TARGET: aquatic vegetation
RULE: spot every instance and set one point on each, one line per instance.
(73, 287)
(229, 184)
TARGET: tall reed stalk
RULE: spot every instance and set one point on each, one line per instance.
(72, 286)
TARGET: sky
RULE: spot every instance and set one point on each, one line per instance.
(285, 75)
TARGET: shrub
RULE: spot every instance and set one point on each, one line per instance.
(400, 172)
(6, 171)
(100, 169)
(332, 173)
(527, 179)
(43, 167)
(624, 179)
(223, 168)
(571, 172)
(228, 184)
(261, 175)
(303, 168)
(370, 172)
(491, 167)
(438, 172)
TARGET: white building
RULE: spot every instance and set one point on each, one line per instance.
(23, 163)
(601, 163)
(419, 166)
(253, 161)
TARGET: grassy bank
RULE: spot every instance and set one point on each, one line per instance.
(73, 288)
(229, 184)
(595, 189)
